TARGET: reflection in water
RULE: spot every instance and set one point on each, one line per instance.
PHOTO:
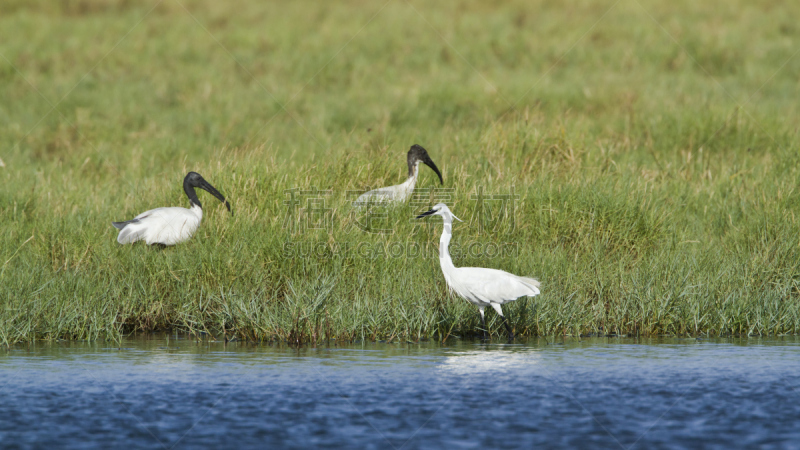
(592, 393)
(476, 362)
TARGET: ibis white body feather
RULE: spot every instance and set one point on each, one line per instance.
(167, 226)
(480, 286)
(391, 194)
(400, 192)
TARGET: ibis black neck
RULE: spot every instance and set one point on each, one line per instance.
(189, 189)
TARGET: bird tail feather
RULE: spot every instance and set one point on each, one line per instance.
(532, 283)
(129, 231)
(130, 235)
(121, 225)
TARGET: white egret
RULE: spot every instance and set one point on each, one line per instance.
(400, 192)
(479, 286)
(169, 225)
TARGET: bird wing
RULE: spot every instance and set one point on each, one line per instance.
(167, 225)
(122, 225)
(492, 285)
(131, 233)
(389, 194)
(381, 195)
(150, 212)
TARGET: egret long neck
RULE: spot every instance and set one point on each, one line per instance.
(444, 243)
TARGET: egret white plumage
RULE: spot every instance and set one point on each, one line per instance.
(400, 192)
(479, 286)
(169, 225)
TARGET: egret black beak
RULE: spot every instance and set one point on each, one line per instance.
(429, 162)
(426, 214)
(206, 186)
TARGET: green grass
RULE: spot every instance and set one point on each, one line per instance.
(653, 149)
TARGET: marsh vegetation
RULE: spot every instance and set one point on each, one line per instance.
(640, 159)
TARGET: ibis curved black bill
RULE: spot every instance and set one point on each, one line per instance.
(429, 162)
(195, 180)
(206, 186)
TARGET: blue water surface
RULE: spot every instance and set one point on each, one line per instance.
(589, 393)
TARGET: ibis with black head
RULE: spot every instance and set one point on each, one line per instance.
(400, 192)
(169, 225)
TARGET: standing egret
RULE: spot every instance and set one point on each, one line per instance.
(169, 225)
(400, 192)
(479, 286)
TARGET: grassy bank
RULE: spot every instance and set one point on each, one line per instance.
(651, 153)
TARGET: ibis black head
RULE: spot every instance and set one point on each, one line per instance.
(195, 180)
(417, 153)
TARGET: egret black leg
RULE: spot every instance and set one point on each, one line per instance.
(483, 326)
(158, 246)
(508, 328)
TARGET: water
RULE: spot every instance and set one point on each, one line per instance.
(595, 393)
